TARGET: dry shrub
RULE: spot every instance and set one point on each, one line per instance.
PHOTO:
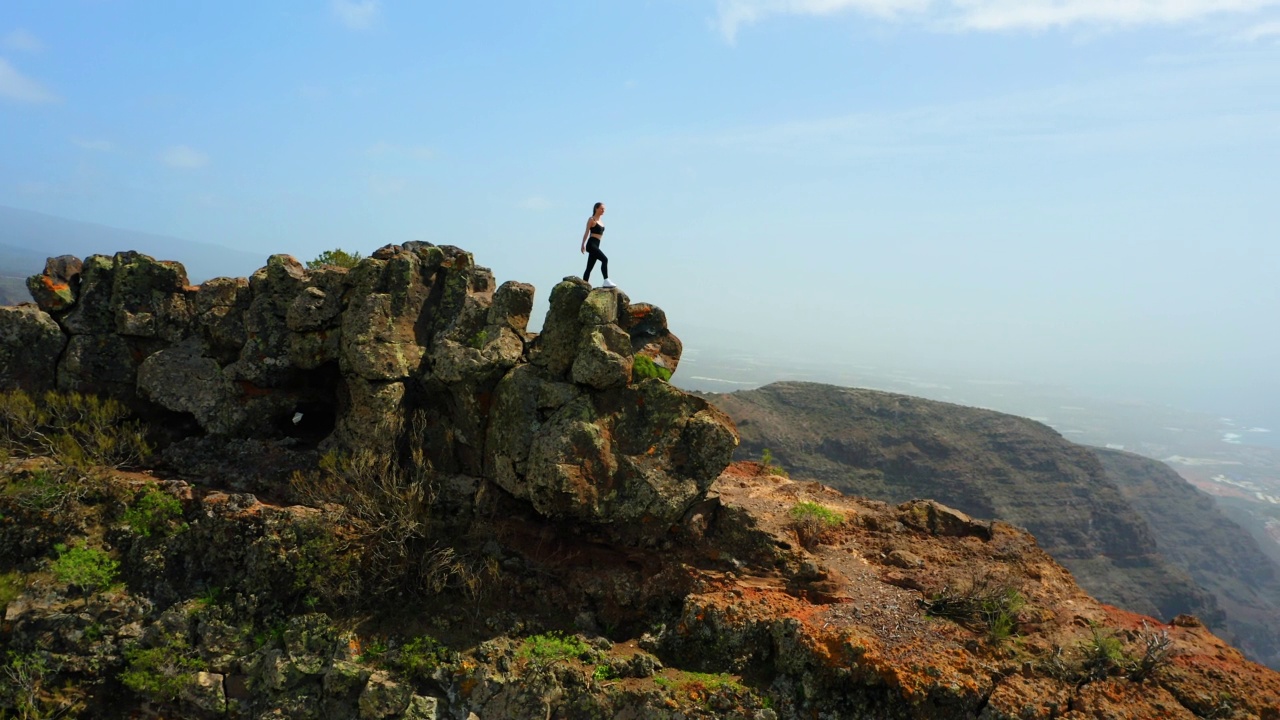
(383, 500)
(983, 602)
(78, 431)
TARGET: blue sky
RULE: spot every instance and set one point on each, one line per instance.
(1075, 191)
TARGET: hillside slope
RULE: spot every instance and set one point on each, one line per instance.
(1195, 535)
(988, 464)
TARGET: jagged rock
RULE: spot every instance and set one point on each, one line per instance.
(524, 399)
(603, 359)
(206, 695)
(558, 343)
(56, 289)
(220, 305)
(182, 380)
(369, 403)
(938, 519)
(383, 698)
(601, 307)
(422, 708)
(641, 453)
(142, 295)
(30, 343)
(93, 312)
(647, 326)
(512, 306)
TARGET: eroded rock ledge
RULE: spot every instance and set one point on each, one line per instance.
(560, 419)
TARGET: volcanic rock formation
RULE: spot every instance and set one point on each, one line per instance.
(416, 330)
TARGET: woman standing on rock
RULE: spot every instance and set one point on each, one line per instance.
(591, 246)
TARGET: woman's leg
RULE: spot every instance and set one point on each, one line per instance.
(594, 254)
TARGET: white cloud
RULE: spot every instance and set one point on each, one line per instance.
(22, 41)
(536, 203)
(19, 88)
(356, 14)
(181, 156)
(733, 14)
(990, 14)
(1041, 14)
(1263, 31)
(95, 145)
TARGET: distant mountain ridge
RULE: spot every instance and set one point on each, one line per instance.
(28, 237)
(988, 464)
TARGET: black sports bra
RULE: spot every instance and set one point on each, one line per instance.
(597, 230)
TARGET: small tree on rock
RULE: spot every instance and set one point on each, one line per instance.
(337, 256)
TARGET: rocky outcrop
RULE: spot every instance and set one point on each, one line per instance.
(416, 330)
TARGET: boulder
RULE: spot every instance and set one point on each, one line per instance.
(30, 343)
(220, 305)
(937, 519)
(647, 326)
(636, 454)
(383, 698)
(512, 306)
(182, 380)
(604, 357)
(56, 289)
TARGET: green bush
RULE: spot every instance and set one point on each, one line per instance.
(76, 430)
(812, 522)
(420, 657)
(542, 650)
(22, 685)
(155, 511)
(337, 256)
(771, 467)
(161, 672)
(984, 603)
(644, 367)
(11, 586)
(89, 569)
(1103, 654)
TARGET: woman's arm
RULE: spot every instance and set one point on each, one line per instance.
(586, 234)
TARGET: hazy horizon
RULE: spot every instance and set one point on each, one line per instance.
(1066, 193)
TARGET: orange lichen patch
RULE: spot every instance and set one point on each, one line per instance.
(1125, 620)
(53, 285)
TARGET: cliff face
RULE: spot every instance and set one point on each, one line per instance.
(1218, 554)
(988, 464)
(489, 524)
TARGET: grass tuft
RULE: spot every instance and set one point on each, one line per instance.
(813, 522)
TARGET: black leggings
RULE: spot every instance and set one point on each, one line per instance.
(594, 254)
